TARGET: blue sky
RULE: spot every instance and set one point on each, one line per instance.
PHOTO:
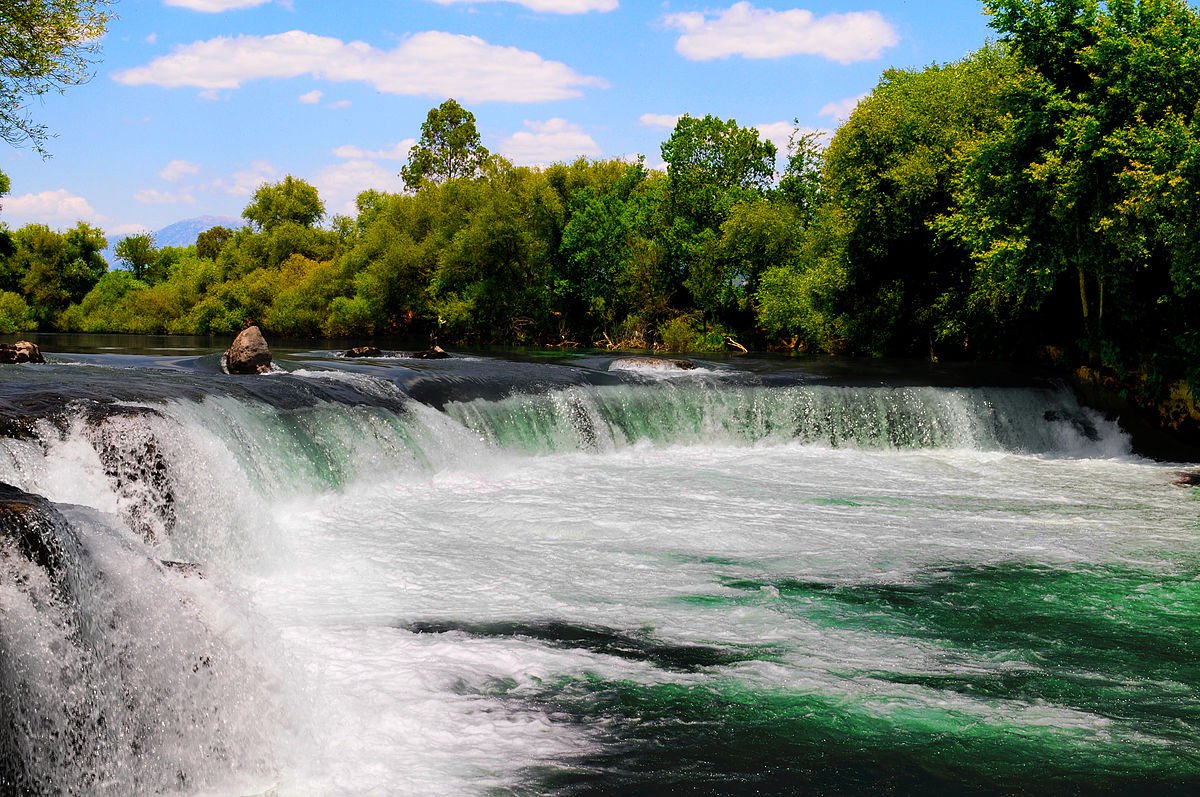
(195, 103)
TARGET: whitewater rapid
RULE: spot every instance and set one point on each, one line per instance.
(593, 585)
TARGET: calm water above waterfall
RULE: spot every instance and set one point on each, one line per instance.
(579, 576)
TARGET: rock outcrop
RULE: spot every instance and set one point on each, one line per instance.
(20, 352)
(652, 363)
(1187, 479)
(363, 351)
(435, 353)
(249, 353)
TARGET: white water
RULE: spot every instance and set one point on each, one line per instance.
(323, 535)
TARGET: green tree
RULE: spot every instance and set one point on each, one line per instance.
(713, 164)
(1085, 189)
(210, 242)
(291, 200)
(138, 253)
(449, 147)
(890, 172)
(45, 46)
(58, 269)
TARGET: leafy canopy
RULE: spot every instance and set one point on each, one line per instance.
(449, 147)
(45, 46)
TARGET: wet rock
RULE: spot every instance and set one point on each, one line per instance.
(28, 521)
(1187, 479)
(249, 353)
(363, 351)
(435, 353)
(652, 363)
(20, 352)
(136, 467)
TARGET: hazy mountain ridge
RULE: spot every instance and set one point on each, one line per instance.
(181, 233)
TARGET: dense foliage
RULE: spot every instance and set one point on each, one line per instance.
(1042, 193)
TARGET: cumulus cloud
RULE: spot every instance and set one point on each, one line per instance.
(752, 32)
(841, 109)
(339, 184)
(311, 97)
(245, 182)
(152, 196)
(176, 170)
(778, 133)
(549, 6)
(53, 208)
(215, 6)
(397, 152)
(664, 120)
(551, 141)
(431, 64)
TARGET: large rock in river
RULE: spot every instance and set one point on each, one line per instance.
(249, 353)
(20, 352)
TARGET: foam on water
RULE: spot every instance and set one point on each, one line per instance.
(631, 589)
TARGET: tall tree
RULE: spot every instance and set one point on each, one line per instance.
(449, 147)
(712, 164)
(289, 201)
(45, 46)
(137, 252)
(1086, 186)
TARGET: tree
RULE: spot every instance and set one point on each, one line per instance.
(137, 252)
(45, 46)
(210, 242)
(712, 164)
(1084, 190)
(290, 200)
(890, 171)
(449, 147)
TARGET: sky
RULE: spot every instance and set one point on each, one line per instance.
(196, 103)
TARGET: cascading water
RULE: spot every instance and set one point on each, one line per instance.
(484, 577)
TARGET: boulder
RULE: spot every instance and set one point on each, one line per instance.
(435, 353)
(1187, 479)
(20, 352)
(652, 363)
(249, 353)
(363, 351)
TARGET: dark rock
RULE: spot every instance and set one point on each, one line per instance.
(436, 353)
(363, 351)
(28, 520)
(136, 467)
(249, 353)
(1187, 479)
(20, 352)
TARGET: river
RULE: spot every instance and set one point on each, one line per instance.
(504, 574)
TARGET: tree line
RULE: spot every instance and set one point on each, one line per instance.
(1040, 194)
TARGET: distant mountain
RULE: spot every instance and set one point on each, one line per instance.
(181, 233)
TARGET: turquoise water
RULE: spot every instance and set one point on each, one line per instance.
(664, 584)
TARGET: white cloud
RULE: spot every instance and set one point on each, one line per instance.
(152, 38)
(431, 64)
(664, 120)
(778, 133)
(245, 182)
(550, 6)
(176, 170)
(398, 152)
(152, 196)
(751, 32)
(841, 109)
(215, 6)
(340, 104)
(341, 183)
(52, 208)
(552, 141)
(311, 97)
(122, 230)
